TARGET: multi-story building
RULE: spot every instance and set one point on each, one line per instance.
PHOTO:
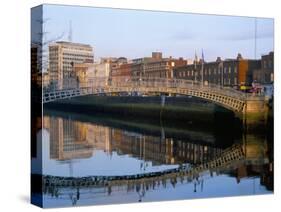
(229, 72)
(42, 79)
(265, 74)
(91, 73)
(159, 151)
(114, 63)
(34, 63)
(123, 71)
(99, 137)
(100, 74)
(68, 139)
(62, 57)
(115, 66)
(213, 72)
(82, 71)
(155, 66)
(34, 59)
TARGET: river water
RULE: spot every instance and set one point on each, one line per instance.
(77, 146)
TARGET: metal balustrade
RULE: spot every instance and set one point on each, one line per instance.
(229, 157)
(225, 96)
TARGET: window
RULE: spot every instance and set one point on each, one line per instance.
(264, 64)
(270, 64)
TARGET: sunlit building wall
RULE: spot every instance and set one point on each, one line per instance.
(62, 57)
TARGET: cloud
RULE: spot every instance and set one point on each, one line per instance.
(186, 35)
(226, 36)
(250, 35)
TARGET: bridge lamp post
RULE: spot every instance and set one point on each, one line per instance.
(221, 72)
(202, 69)
(202, 75)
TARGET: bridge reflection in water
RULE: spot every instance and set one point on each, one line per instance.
(90, 162)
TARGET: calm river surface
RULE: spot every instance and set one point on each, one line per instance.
(74, 145)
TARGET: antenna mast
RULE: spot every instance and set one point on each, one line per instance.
(255, 38)
(70, 31)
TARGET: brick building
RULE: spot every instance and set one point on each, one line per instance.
(229, 72)
(156, 66)
(122, 71)
(265, 74)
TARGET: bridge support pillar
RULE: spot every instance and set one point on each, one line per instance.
(255, 111)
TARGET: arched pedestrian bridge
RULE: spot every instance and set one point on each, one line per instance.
(230, 98)
(231, 157)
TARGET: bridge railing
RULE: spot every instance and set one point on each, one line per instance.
(177, 83)
(134, 82)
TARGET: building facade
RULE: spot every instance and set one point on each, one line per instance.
(68, 139)
(101, 70)
(265, 75)
(155, 66)
(229, 72)
(123, 71)
(86, 73)
(63, 56)
(82, 72)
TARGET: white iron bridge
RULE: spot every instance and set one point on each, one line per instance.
(227, 97)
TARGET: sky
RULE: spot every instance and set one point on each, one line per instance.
(137, 33)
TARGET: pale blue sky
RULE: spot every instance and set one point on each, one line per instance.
(135, 33)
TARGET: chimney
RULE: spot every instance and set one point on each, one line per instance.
(218, 59)
(239, 57)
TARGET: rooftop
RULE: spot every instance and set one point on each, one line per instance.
(73, 44)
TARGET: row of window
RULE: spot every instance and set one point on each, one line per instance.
(226, 81)
(267, 64)
(77, 55)
(158, 74)
(78, 49)
(208, 72)
(82, 58)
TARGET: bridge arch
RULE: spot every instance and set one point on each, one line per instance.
(228, 98)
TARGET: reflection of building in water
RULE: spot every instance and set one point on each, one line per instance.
(161, 150)
(143, 147)
(99, 136)
(36, 126)
(68, 139)
(195, 153)
(257, 161)
(46, 122)
(73, 139)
